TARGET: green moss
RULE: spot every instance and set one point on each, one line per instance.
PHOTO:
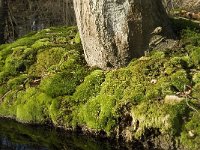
(41, 43)
(72, 60)
(97, 113)
(107, 119)
(166, 118)
(179, 80)
(65, 75)
(89, 113)
(63, 83)
(62, 110)
(8, 104)
(196, 77)
(90, 87)
(45, 60)
(195, 91)
(190, 37)
(47, 57)
(33, 106)
(18, 82)
(190, 137)
(77, 38)
(14, 65)
(177, 62)
(195, 56)
(18, 61)
(55, 112)
(44, 77)
(158, 90)
(3, 89)
(4, 76)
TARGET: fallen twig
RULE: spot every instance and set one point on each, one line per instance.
(1, 99)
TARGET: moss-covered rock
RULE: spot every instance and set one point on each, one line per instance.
(31, 69)
(33, 106)
(167, 118)
(90, 87)
(44, 78)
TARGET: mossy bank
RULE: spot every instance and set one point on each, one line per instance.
(44, 78)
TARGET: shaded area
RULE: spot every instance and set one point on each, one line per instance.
(2, 20)
(14, 135)
(19, 17)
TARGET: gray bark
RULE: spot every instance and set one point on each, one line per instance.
(115, 31)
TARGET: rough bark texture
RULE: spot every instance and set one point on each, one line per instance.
(2, 20)
(189, 5)
(115, 31)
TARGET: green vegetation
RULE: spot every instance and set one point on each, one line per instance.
(37, 69)
(191, 132)
(44, 78)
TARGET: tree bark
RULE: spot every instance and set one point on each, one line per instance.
(115, 31)
(3, 14)
(19, 17)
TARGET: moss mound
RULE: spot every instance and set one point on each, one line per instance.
(38, 68)
(44, 78)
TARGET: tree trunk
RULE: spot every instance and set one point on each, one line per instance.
(19, 17)
(115, 31)
(2, 20)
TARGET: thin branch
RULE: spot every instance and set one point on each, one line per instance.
(186, 94)
(1, 99)
(186, 99)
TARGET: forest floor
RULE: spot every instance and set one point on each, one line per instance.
(155, 99)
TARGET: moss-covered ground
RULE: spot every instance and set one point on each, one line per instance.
(44, 78)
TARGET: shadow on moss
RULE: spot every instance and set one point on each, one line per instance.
(48, 81)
